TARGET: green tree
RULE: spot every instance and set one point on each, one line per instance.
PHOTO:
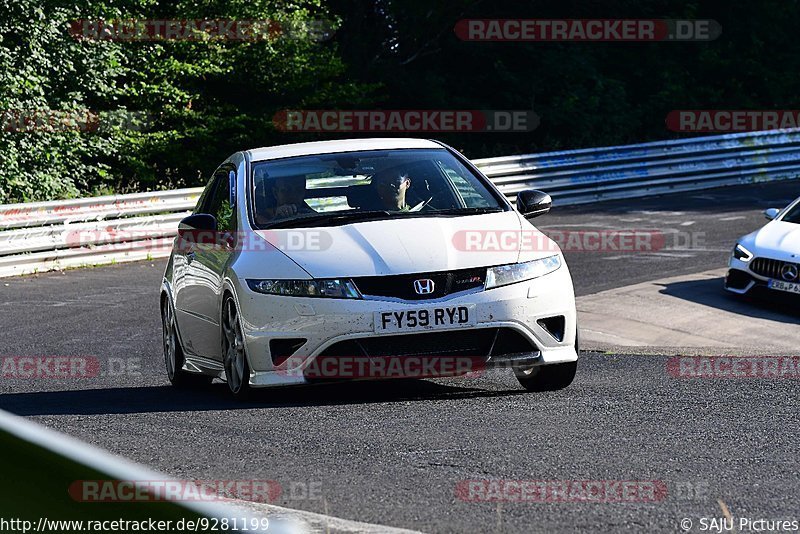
(201, 99)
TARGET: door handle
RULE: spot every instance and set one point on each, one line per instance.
(190, 256)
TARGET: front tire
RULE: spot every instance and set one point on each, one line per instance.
(234, 355)
(548, 377)
(173, 352)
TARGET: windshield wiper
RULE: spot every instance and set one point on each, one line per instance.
(334, 218)
(465, 211)
(337, 218)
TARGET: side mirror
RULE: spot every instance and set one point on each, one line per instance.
(532, 203)
(198, 228)
(771, 213)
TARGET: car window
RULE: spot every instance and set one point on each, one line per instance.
(793, 215)
(465, 183)
(219, 205)
(399, 182)
(204, 196)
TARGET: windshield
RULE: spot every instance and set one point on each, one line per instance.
(345, 187)
(793, 215)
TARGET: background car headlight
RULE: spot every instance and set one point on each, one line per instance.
(519, 272)
(741, 253)
(331, 288)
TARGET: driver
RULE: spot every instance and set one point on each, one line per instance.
(391, 188)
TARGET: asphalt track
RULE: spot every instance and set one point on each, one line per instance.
(394, 453)
(699, 230)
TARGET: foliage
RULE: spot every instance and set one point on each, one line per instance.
(201, 100)
(195, 101)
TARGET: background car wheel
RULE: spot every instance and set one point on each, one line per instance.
(234, 356)
(173, 353)
(548, 377)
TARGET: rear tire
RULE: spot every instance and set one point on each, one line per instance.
(548, 377)
(173, 353)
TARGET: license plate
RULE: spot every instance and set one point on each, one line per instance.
(780, 285)
(425, 318)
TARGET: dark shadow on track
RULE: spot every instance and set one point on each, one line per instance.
(709, 292)
(149, 399)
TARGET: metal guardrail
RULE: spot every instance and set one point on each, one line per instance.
(595, 174)
(43, 236)
(46, 236)
(96, 208)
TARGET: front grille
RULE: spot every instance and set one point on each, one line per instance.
(481, 342)
(772, 268)
(402, 286)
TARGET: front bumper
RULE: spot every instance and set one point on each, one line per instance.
(740, 279)
(323, 323)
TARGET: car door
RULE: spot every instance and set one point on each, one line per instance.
(183, 253)
(198, 303)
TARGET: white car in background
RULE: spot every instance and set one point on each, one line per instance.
(348, 253)
(768, 258)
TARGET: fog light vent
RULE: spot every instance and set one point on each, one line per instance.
(737, 279)
(554, 326)
(282, 349)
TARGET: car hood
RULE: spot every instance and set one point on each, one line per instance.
(403, 246)
(778, 240)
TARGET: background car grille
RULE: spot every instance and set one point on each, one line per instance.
(402, 286)
(768, 267)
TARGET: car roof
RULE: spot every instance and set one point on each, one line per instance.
(339, 145)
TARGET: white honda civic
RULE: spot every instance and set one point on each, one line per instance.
(769, 258)
(364, 259)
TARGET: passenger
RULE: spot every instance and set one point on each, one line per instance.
(279, 198)
(290, 194)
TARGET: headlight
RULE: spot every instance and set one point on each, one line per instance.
(519, 272)
(331, 288)
(741, 253)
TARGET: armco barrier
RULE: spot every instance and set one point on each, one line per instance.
(44, 236)
(37, 237)
(590, 175)
(95, 208)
